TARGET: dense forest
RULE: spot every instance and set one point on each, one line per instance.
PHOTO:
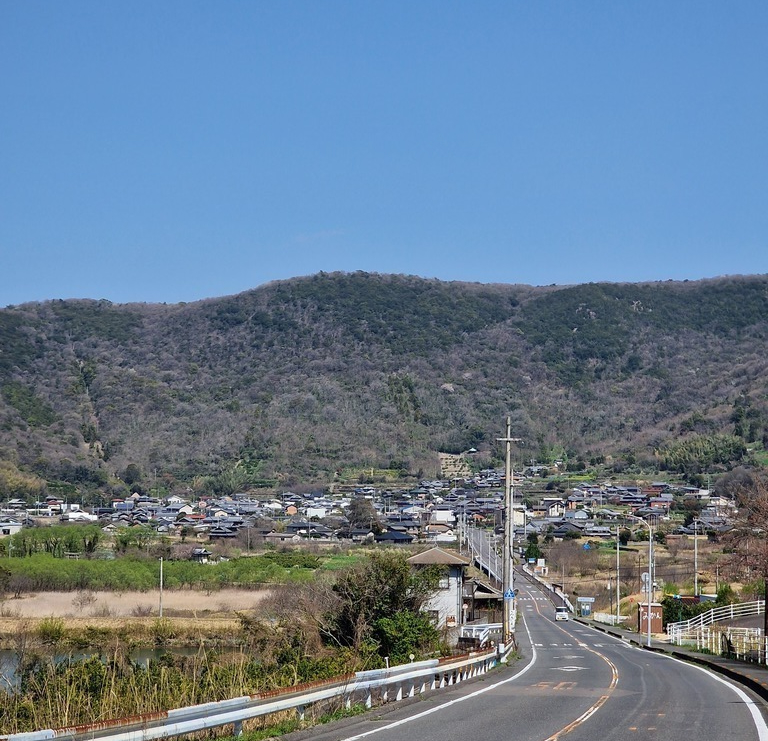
(299, 380)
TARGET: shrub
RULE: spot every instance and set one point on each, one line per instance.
(51, 630)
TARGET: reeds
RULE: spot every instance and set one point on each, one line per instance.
(54, 693)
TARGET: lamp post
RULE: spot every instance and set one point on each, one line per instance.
(650, 579)
(509, 533)
(650, 573)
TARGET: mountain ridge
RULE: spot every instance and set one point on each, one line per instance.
(297, 379)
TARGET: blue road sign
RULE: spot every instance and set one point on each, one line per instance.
(509, 594)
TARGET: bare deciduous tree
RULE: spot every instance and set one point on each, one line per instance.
(748, 540)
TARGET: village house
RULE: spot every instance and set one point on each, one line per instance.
(446, 605)
(9, 527)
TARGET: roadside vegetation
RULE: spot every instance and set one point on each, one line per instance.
(47, 572)
(370, 612)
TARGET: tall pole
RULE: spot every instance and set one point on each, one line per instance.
(618, 590)
(650, 579)
(695, 558)
(161, 586)
(509, 531)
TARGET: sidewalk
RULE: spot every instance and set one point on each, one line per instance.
(753, 676)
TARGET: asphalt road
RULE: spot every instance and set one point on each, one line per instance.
(570, 681)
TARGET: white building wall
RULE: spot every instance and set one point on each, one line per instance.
(447, 601)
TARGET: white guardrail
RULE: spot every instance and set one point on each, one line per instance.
(392, 684)
(549, 587)
(481, 632)
(678, 631)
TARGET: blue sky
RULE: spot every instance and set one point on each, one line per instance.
(172, 151)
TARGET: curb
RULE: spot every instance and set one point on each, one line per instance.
(710, 662)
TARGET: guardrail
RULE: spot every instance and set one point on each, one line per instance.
(552, 591)
(608, 618)
(680, 630)
(481, 632)
(392, 684)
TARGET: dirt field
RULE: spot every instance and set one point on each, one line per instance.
(184, 603)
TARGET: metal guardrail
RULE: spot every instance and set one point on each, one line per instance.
(406, 680)
(554, 594)
(608, 618)
(688, 628)
(481, 632)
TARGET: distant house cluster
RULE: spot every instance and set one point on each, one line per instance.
(431, 512)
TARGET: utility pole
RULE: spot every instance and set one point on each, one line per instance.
(618, 588)
(696, 558)
(509, 533)
(161, 587)
(610, 590)
(650, 578)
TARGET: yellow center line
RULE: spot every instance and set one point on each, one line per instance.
(599, 703)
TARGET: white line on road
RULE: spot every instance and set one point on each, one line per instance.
(759, 721)
(456, 700)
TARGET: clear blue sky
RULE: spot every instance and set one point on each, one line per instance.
(172, 151)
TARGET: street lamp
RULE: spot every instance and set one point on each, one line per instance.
(161, 588)
(650, 572)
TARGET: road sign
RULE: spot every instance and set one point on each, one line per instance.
(509, 594)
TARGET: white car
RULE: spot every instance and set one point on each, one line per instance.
(561, 613)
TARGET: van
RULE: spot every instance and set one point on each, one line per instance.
(561, 613)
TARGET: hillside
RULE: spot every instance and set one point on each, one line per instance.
(298, 379)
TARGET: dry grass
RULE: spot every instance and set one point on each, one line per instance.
(135, 614)
(181, 603)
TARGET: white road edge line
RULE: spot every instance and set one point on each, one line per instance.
(759, 721)
(458, 699)
(757, 718)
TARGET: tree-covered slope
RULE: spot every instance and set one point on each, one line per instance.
(297, 379)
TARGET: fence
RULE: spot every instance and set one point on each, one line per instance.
(689, 629)
(391, 684)
(482, 546)
(609, 618)
(746, 644)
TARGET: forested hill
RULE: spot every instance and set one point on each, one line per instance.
(297, 379)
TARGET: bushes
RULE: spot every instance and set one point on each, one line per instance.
(44, 572)
(51, 630)
(405, 633)
(379, 605)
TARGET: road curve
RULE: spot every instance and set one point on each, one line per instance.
(571, 681)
